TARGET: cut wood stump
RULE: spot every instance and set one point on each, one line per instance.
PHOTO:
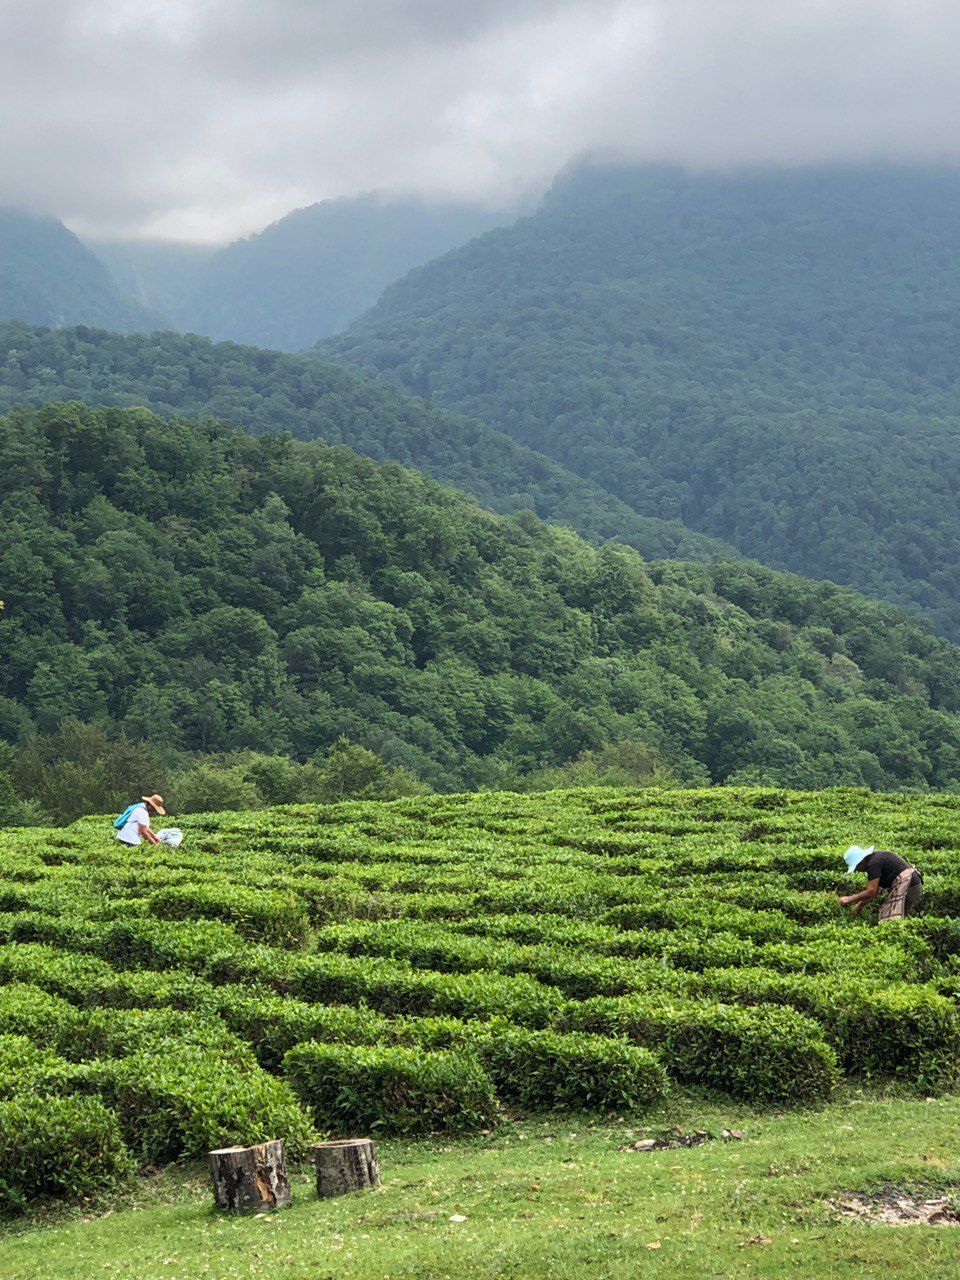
(350, 1165)
(248, 1178)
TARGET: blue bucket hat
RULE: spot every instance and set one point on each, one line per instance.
(855, 855)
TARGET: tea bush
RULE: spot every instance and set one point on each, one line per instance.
(63, 1147)
(390, 1089)
(187, 1101)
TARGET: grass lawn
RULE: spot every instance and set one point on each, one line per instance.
(558, 1197)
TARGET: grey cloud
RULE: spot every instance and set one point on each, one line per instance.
(207, 118)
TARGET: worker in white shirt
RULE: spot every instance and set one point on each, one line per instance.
(133, 825)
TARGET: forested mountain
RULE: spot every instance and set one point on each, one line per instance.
(48, 277)
(301, 279)
(266, 391)
(770, 357)
(206, 591)
(157, 273)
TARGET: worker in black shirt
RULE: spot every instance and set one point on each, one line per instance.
(884, 870)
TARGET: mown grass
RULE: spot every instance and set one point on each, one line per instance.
(556, 1197)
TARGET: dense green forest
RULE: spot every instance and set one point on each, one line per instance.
(769, 357)
(48, 277)
(189, 591)
(301, 279)
(266, 391)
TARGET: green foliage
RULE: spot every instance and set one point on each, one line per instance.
(291, 623)
(299, 279)
(765, 1055)
(43, 1018)
(391, 1089)
(78, 768)
(264, 391)
(25, 1066)
(898, 1029)
(274, 1024)
(536, 1069)
(273, 917)
(186, 1100)
(766, 356)
(627, 764)
(546, 1068)
(117, 1033)
(62, 1147)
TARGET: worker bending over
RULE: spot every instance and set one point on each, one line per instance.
(884, 870)
(133, 825)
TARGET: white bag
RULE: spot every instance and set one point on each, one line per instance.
(170, 835)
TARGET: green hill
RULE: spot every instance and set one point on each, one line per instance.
(308, 275)
(158, 273)
(48, 277)
(769, 357)
(265, 391)
(206, 591)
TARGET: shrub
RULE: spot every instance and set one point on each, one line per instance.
(391, 986)
(546, 1069)
(899, 1029)
(761, 1054)
(66, 1147)
(391, 1089)
(44, 1018)
(273, 1024)
(116, 1033)
(25, 1068)
(187, 1101)
(279, 919)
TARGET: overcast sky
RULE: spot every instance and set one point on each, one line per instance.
(206, 119)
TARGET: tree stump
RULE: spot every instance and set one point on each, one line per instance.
(350, 1165)
(247, 1178)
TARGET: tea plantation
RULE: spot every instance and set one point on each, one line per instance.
(431, 965)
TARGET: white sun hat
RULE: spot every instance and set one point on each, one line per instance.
(855, 855)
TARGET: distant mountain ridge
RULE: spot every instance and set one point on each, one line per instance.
(303, 278)
(769, 357)
(48, 277)
(266, 391)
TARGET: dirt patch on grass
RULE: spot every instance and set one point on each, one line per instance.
(896, 1207)
(669, 1139)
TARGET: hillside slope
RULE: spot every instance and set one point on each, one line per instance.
(211, 591)
(310, 274)
(264, 391)
(48, 277)
(768, 357)
(157, 273)
(303, 278)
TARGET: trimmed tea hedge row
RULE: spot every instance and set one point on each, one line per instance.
(760, 1055)
(58, 1147)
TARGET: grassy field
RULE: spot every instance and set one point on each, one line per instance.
(557, 1197)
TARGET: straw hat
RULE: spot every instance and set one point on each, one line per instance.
(157, 802)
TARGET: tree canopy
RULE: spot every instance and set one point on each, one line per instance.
(200, 591)
(768, 357)
(265, 391)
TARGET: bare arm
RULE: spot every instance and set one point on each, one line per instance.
(147, 833)
(856, 900)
